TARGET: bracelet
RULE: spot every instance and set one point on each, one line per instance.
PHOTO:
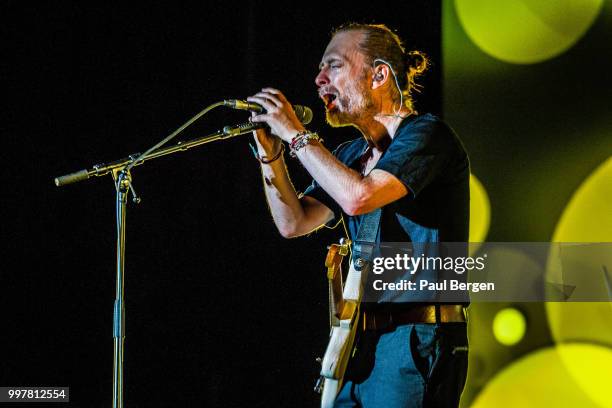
(300, 140)
(268, 161)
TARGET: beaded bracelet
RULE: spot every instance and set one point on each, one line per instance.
(300, 140)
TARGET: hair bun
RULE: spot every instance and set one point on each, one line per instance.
(417, 62)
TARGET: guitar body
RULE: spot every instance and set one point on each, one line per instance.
(330, 391)
(336, 360)
(344, 314)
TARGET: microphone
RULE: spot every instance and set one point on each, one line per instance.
(230, 131)
(304, 113)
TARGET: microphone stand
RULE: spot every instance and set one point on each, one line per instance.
(120, 170)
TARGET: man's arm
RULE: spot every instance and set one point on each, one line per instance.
(293, 216)
(354, 193)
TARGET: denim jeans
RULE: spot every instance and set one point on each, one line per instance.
(413, 365)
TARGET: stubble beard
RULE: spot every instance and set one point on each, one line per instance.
(352, 107)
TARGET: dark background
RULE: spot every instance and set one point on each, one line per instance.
(221, 311)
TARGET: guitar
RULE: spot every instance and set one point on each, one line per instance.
(343, 316)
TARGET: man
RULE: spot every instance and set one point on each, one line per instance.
(414, 168)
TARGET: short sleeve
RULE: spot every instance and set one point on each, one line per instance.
(418, 153)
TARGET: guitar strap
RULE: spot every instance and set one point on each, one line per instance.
(363, 246)
(365, 241)
(368, 230)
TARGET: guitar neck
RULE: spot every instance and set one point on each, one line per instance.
(333, 262)
(336, 301)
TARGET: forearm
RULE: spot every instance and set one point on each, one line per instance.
(343, 184)
(355, 193)
(283, 201)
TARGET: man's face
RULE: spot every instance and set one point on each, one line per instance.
(344, 80)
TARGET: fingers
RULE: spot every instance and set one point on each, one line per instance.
(279, 95)
(278, 115)
(268, 97)
(260, 118)
(267, 103)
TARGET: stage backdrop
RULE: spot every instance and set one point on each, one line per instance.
(526, 84)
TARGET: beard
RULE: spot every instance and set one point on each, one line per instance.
(351, 107)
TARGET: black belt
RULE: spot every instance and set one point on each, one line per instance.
(373, 320)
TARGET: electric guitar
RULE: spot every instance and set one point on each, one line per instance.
(343, 316)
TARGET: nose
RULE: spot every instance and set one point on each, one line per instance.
(322, 78)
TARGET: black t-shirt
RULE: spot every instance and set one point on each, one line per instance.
(428, 157)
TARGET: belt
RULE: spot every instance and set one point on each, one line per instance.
(417, 314)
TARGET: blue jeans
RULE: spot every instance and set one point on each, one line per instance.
(413, 365)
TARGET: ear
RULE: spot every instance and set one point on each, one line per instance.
(380, 76)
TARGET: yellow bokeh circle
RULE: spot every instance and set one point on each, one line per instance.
(541, 379)
(509, 326)
(480, 213)
(526, 31)
(586, 218)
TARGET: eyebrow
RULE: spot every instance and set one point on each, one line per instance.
(331, 59)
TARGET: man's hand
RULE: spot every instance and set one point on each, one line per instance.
(267, 144)
(279, 114)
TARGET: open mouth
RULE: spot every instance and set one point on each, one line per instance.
(329, 100)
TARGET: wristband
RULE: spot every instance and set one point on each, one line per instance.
(300, 140)
(268, 161)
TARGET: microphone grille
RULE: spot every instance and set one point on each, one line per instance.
(304, 113)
